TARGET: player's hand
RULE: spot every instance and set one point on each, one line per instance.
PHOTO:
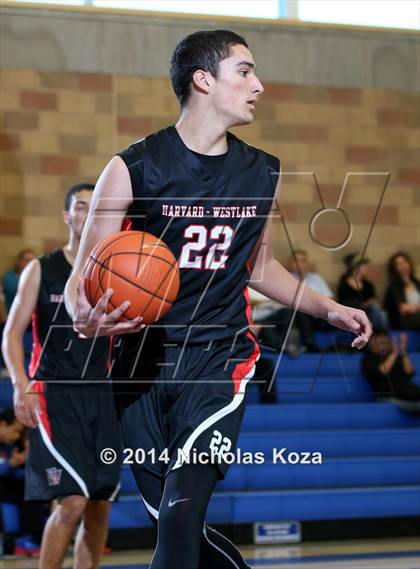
(352, 320)
(90, 322)
(26, 405)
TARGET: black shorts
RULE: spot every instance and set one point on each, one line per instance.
(192, 411)
(76, 423)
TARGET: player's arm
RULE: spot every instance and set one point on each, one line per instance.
(24, 303)
(270, 278)
(110, 201)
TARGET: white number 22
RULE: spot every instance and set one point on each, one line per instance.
(199, 235)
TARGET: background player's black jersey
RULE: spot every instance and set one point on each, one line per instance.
(58, 353)
(210, 222)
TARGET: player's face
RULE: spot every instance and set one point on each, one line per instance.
(79, 208)
(237, 88)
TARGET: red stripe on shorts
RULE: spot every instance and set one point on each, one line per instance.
(39, 388)
(243, 368)
(36, 346)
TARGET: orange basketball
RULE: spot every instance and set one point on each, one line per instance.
(138, 267)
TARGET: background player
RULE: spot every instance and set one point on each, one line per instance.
(213, 75)
(70, 413)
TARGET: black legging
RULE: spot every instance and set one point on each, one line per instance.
(184, 541)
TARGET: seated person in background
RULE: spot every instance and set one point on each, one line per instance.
(357, 291)
(10, 279)
(11, 455)
(389, 370)
(262, 308)
(402, 298)
(274, 318)
(298, 265)
(9, 285)
(13, 450)
(270, 325)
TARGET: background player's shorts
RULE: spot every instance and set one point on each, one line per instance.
(193, 409)
(76, 423)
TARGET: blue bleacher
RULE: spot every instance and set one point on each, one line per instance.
(128, 513)
(303, 416)
(371, 451)
(323, 365)
(336, 443)
(334, 473)
(6, 394)
(10, 517)
(315, 504)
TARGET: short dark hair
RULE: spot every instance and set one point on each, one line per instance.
(75, 190)
(7, 416)
(200, 50)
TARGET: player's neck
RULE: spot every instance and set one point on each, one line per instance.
(203, 136)
(71, 248)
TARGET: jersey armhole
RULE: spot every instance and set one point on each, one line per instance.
(273, 171)
(133, 159)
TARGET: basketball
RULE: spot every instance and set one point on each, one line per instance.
(138, 267)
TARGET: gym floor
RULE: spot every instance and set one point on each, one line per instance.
(380, 554)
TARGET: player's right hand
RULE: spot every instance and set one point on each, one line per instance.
(90, 322)
(26, 405)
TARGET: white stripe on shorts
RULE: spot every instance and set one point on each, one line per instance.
(115, 492)
(234, 404)
(150, 508)
(60, 458)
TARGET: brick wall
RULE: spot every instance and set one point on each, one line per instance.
(60, 128)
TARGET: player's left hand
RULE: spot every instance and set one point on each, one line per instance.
(352, 320)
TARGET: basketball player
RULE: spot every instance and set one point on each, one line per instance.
(70, 414)
(208, 195)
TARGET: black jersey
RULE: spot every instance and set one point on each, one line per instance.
(58, 353)
(211, 219)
